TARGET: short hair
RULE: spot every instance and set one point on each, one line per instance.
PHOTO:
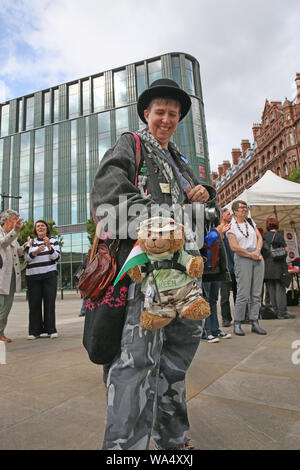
(272, 224)
(45, 223)
(235, 204)
(225, 209)
(7, 214)
(166, 100)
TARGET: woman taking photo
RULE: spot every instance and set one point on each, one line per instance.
(246, 243)
(275, 268)
(42, 255)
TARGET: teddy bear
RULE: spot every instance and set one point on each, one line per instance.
(168, 279)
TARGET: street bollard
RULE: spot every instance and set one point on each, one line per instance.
(62, 294)
(2, 352)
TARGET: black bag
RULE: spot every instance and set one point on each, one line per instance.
(292, 297)
(267, 313)
(104, 321)
(277, 253)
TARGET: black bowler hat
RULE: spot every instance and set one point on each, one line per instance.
(163, 88)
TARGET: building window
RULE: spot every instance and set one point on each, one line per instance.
(1, 162)
(154, 71)
(98, 93)
(73, 100)
(4, 120)
(176, 70)
(20, 115)
(294, 160)
(104, 134)
(39, 157)
(73, 143)
(47, 114)
(56, 105)
(120, 87)
(292, 141)
(29, 112)
(85, 97)
(140, 79)
(189, 76)
(55, 174)
(74, 172)
(24, 175)
(121, 121)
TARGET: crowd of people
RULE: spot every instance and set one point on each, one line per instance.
(145, 381)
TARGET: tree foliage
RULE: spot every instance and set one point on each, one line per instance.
(294, 175)
(91, 229)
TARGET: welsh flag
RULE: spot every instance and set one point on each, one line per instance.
(135, 258)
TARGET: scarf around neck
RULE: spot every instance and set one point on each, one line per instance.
(162, 161)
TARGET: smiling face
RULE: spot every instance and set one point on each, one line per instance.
(41, 229)
(162, 118)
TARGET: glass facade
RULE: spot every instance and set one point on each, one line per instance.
(51, 143)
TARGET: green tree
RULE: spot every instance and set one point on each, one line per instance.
(91, 229)
(294, 175)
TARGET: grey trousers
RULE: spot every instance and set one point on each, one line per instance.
(249, 278)
(277, 295)
(146, 383)
(6, 302)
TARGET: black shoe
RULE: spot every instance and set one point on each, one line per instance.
(286, 315)
(226, 323)
(238, 329)
(257, 329)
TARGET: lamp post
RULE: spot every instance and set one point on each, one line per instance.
(3, 196)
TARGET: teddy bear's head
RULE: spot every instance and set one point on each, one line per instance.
(159, 235)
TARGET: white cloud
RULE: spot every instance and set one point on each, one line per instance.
(4, 91)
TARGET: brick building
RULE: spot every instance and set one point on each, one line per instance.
(276, 147)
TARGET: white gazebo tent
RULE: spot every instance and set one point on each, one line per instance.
(272, 196)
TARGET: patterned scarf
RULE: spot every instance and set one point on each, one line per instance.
(161, 160)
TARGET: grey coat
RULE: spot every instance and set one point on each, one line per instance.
(10, 250)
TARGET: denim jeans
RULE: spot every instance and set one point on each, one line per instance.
(211, 293)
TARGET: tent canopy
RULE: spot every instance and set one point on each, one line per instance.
(272, 196)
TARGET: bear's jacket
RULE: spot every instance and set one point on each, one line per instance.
(114, 193)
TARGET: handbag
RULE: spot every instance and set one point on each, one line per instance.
(100, 270)
(103, 323)
(277, 253)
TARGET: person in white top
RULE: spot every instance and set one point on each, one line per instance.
(246, 243)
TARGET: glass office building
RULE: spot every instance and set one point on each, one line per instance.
(51, 143)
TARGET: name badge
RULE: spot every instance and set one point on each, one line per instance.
(165, 188)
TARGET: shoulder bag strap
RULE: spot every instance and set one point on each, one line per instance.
(273, 238)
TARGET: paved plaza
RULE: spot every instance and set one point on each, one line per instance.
(243, 393)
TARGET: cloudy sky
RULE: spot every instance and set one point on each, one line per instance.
(248, 50)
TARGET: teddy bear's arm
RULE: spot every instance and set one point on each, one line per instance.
(136, 274)
(195, 266)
